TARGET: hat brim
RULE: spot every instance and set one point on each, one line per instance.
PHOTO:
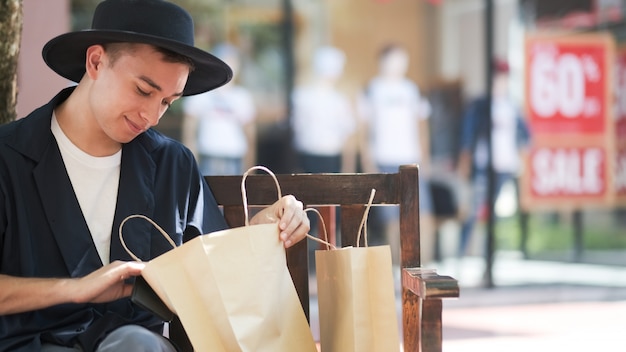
(66, 55)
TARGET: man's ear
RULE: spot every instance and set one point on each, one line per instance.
(94, 59)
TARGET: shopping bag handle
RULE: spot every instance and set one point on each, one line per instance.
(325, 240)
(243, 188)
(362, 227)
(167, 237)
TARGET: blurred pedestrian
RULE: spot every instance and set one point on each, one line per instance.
(323, 120)
(509, 136)
(395, 132)
(219, 125)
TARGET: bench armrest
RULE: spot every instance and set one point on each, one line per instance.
(427, 284)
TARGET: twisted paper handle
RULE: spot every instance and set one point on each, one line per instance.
(243, 188)
(325, 240)
(167, 237)
(362, 227)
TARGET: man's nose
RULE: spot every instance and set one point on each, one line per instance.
(152, 114)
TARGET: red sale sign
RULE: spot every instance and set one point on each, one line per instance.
(620, 174)
(567, 86)
(620, 125)
(569, 106)
(557, 172)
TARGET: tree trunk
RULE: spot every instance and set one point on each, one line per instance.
(10, 32)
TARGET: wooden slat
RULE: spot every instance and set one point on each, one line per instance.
(298, 264)
(351, 216)
(431, 329)
(408, 195)
(234, 215)
(411, 320)
(329, 216)
(338, 188)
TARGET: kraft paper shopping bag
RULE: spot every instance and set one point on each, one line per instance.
(356, 297)
(232, 289)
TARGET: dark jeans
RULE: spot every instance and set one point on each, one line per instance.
(126, 338)
(319, 163)
(479, 202)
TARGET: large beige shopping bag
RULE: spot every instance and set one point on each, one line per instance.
(232, 290)
(357, 309)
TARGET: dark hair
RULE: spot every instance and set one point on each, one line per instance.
(500, 65)
(114, 50)
(389, 48)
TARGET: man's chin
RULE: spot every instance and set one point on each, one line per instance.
(127, 139)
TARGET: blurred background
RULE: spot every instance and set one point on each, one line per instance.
(540, 253)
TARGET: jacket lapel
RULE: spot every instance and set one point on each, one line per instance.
(135, 196)
(64, 214)
(58, 200)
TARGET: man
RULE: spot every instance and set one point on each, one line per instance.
(72, 170)
(218, 126)
(323, 121)
(509, 137)
(395, 131)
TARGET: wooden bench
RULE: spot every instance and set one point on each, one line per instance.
(422, 294)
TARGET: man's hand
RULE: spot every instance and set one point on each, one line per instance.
(107, 283)
(18, 294)
(289, 213)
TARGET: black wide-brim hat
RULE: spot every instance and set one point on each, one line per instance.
(155, 22)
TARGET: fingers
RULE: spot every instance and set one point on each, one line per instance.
(297, 235)
(107, 283)
(120, 271)
(294, 224)
(292, 220)
(289, 212)
(132, 268)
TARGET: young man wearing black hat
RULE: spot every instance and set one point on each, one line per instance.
(73, 169)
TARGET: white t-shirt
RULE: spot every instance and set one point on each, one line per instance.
(221, 115)
(503, 138)
(322, 120)
(393, 110)
(503, 134)
(95, 181)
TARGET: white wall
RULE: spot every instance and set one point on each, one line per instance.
(37, 84)
(463, 40)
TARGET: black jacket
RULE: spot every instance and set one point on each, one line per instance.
(43, 232)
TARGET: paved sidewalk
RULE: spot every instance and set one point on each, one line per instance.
(535, 306)
(510, 269)
(571, 327)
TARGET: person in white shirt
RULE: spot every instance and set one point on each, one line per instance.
(396, 132)
(323, 120)
(219, 125)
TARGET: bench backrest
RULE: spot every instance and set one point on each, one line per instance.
(349, 192)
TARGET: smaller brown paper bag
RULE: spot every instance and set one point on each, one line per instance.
(356, 297)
